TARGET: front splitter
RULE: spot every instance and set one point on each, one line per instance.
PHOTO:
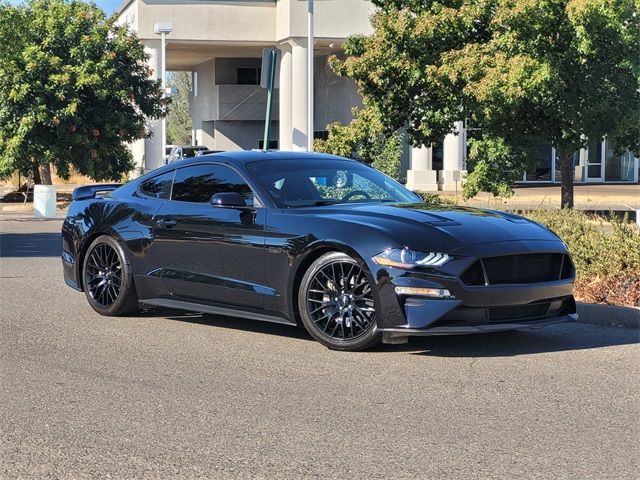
(467, 329)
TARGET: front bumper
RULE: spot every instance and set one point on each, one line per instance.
(469, 309)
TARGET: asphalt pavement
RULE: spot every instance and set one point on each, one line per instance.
(174, 395)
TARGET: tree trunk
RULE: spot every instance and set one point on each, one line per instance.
(45, 174)
(566, 169)
(36, 175)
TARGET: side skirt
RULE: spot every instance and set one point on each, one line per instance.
(214, 310)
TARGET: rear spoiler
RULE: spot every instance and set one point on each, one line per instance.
(90, 191)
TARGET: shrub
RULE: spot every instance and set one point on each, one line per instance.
(605, 251)
(435, 199)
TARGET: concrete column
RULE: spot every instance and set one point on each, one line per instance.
(453, 151)
(153, 149)
(299, 106)
(286, 128)
(421, 158)
(421, 177)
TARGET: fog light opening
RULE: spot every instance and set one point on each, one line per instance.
(424, 292)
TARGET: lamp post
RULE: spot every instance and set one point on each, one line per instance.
(310, 75)
(162, 29)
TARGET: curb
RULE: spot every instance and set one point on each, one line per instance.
(609, 315)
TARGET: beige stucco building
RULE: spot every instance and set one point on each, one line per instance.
(221, 42)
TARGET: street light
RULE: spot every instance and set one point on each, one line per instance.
(162, 29)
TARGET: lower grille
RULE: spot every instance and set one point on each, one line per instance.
(518, 312)
(551, 308)
(519, 269)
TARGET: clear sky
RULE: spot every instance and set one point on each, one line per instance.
(109, 6)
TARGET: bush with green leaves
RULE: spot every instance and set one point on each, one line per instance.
(605, 251)
(435, 199)
(363, 140)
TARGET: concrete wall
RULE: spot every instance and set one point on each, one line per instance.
(244, 102)
(224, 21)
(129, 16)
(248, 20)
(241, 135)
(335, 96)
(203, 106)
(226, 68)
(333, 18)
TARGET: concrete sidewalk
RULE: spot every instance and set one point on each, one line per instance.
(586, 197)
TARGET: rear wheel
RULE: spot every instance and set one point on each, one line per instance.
(336, 303)
(107, 279)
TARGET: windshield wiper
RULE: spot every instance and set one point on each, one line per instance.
(318, 203)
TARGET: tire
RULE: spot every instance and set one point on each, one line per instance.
(336, 303)
(107, 279)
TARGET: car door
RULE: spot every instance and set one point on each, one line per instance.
(211, 253)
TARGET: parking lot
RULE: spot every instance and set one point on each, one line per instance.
(175, 395)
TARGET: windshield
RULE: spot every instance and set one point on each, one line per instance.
(325, 181)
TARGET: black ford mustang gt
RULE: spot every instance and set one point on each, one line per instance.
(313, 239)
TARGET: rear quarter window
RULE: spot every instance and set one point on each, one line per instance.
(158, 187)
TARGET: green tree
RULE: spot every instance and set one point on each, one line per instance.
(522, 72)
(365, 140)
(179, 118)
(74, 90)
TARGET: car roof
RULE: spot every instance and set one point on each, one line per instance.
(250, 156)
(242, 157)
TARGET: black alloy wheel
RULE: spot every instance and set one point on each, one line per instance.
(103, 275)
(337, 305)
(107, 278)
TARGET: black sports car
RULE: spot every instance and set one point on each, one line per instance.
(311, 239)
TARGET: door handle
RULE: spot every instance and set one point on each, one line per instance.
(166, 222)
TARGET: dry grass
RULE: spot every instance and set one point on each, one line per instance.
(74, 179)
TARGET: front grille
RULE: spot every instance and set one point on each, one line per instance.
(518, 269)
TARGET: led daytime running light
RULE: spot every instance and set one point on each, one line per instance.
(406, 258)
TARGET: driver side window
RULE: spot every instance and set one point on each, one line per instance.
(198, 183)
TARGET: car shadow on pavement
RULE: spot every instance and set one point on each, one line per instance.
(15, 245)
(557, 338)
(235, 323)
(566, 337)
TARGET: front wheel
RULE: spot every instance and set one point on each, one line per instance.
(108, 282)
(336, 303)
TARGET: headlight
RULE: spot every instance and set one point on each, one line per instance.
(406, 258)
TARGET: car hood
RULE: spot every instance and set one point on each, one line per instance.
(450, 226)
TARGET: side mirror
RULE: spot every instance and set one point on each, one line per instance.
(228, 199)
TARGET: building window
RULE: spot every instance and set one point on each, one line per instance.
(273, 144)
(437, 157)
(321, 134)
(542, 171)
(618, 168)
(248, 75)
